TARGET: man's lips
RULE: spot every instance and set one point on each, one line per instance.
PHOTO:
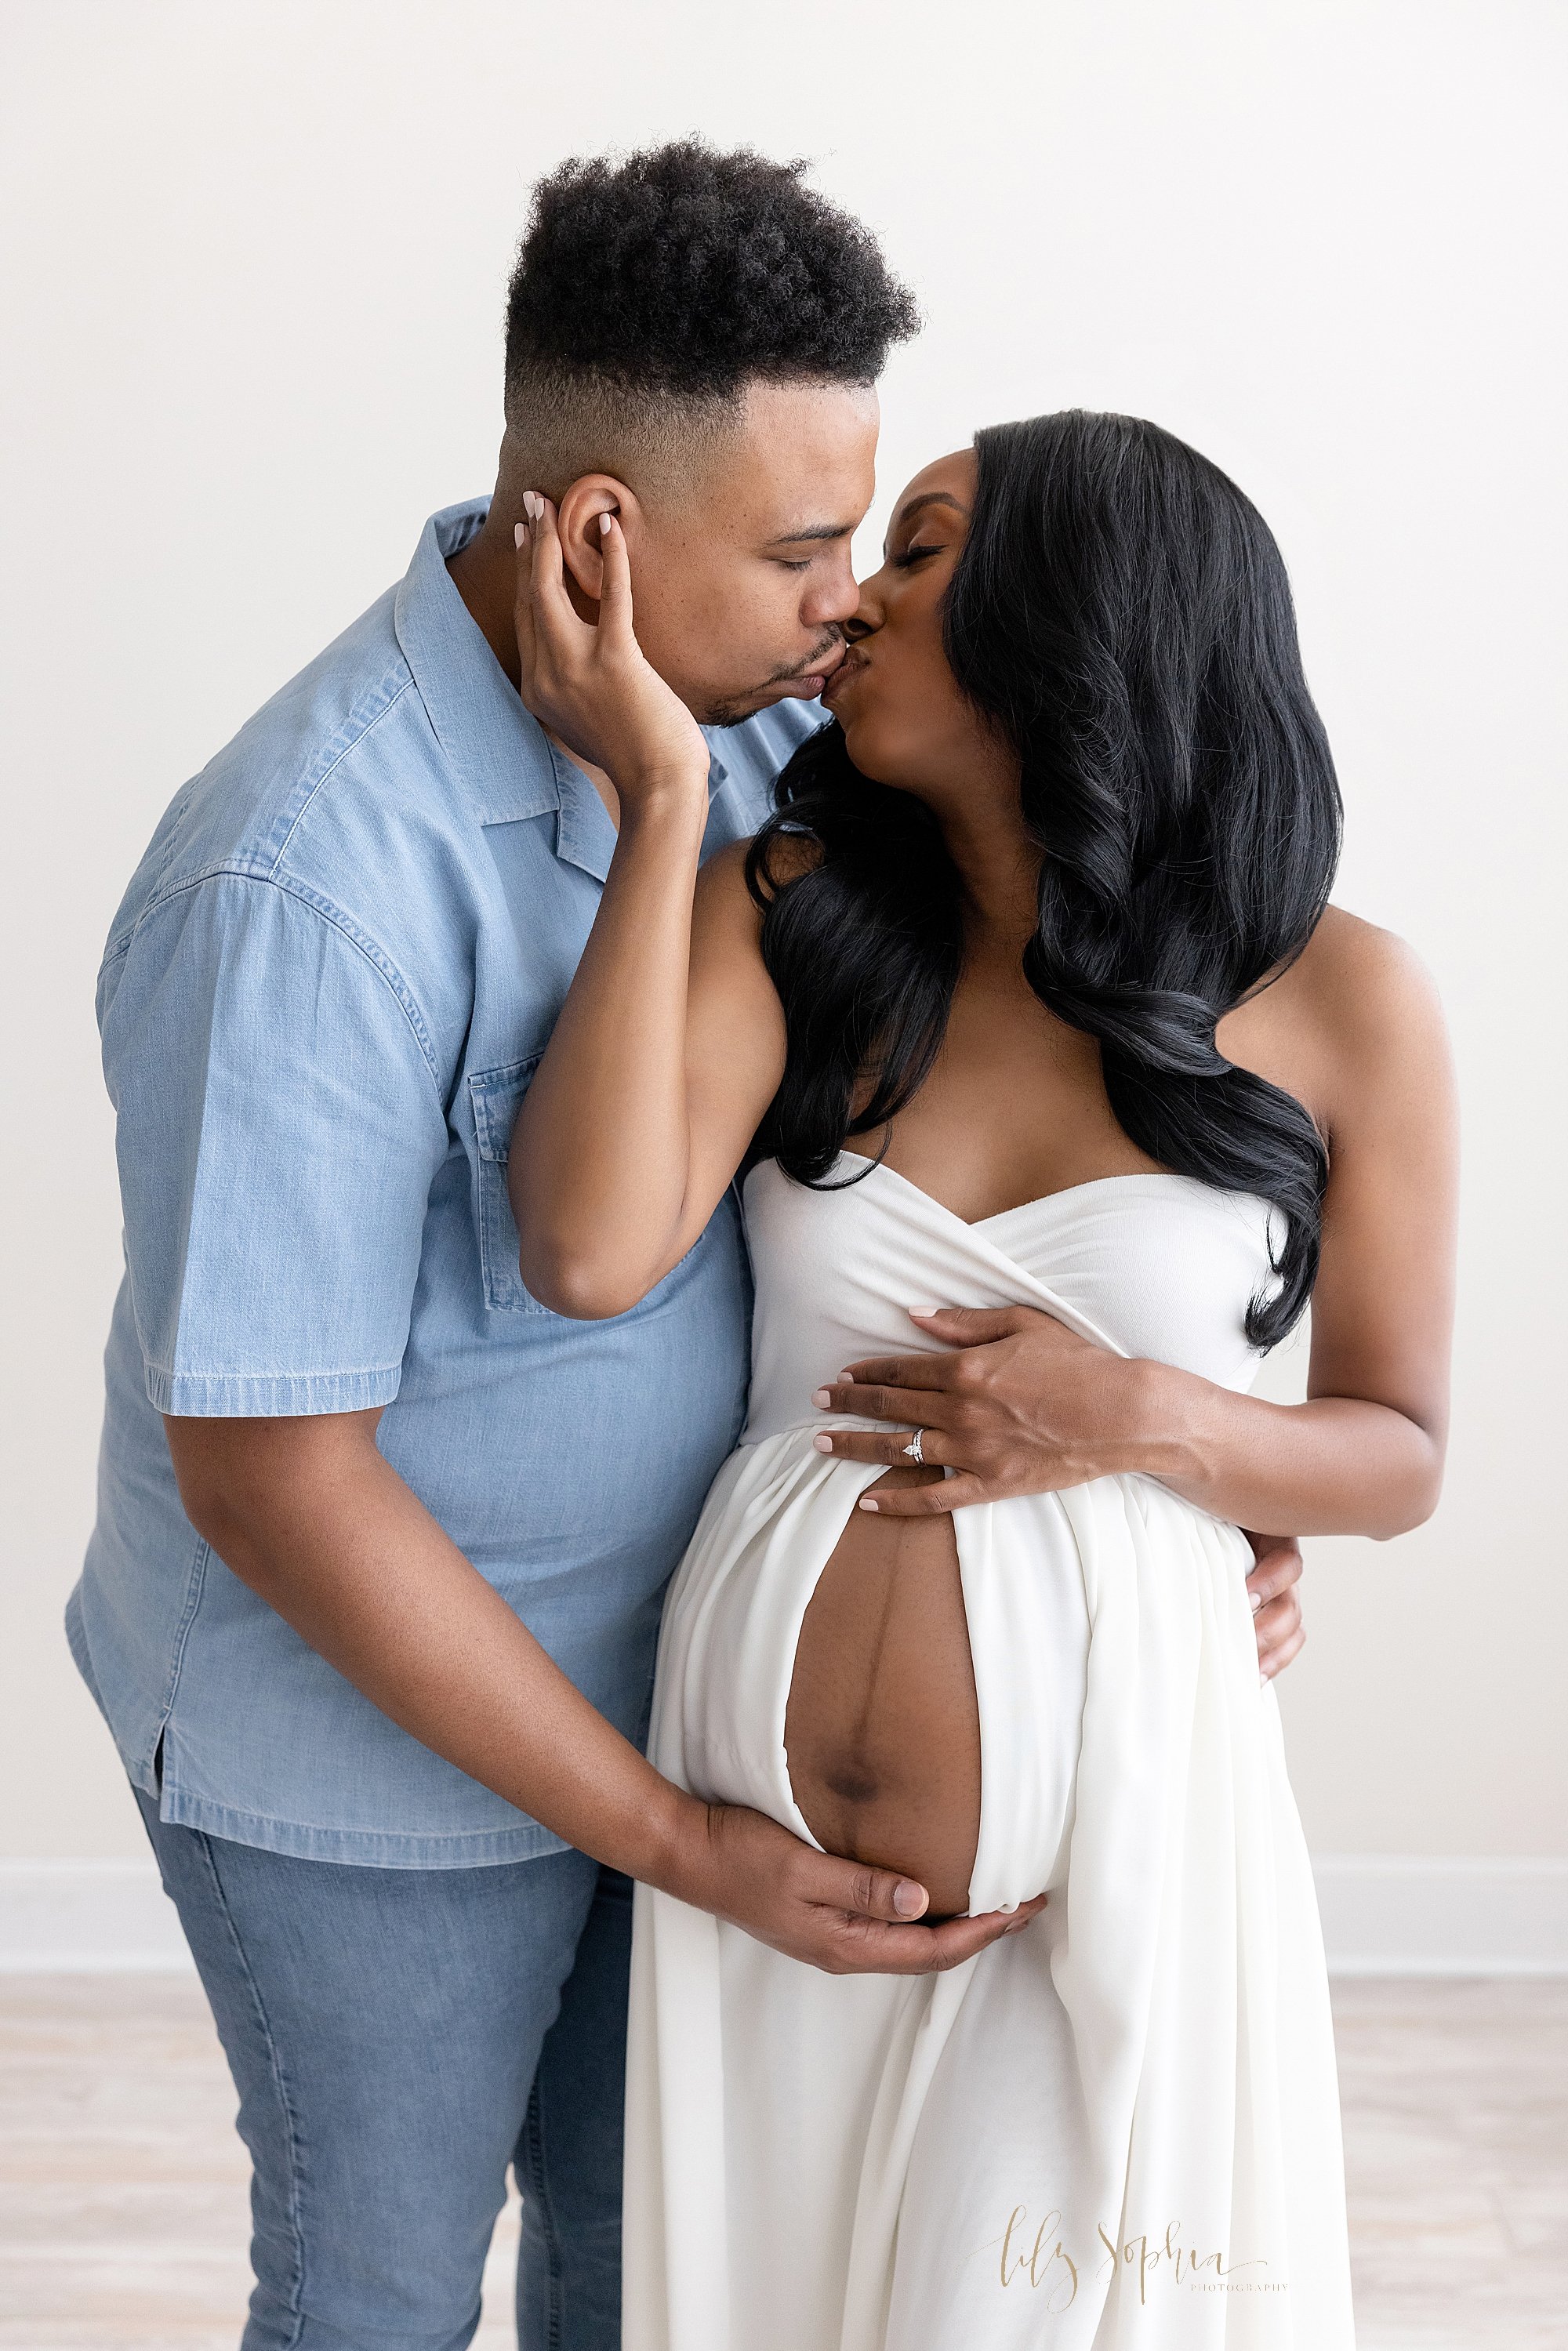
(810, 683)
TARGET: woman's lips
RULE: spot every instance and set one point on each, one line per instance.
(850, 665)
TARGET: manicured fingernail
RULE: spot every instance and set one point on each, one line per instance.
(924, 1311)
(519, 532)
(533, 504)
(866, 1502)
(1262, 1681)
(604, 522)
(848, 1378)
(821, 1395)
(824, 1444)
(1257, 1599)
(908, 1899)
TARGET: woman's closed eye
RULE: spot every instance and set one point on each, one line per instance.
(913, 555)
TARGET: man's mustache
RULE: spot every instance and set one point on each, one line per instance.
(826, 657)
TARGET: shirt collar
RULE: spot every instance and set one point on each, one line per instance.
(497, 748)
(498, 752)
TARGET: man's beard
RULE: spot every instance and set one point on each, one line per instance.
(736, 711)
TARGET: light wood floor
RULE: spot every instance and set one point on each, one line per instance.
(123, 2186)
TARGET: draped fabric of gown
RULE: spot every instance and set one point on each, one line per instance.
(1120, 2127)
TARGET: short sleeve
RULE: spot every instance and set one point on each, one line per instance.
(278, 1126)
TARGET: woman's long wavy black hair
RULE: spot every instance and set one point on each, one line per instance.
(1120, 612)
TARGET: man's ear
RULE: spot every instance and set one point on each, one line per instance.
(577, 520)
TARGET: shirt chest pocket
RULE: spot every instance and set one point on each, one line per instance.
(495, 1095)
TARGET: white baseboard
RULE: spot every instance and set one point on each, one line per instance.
(1384, 1914)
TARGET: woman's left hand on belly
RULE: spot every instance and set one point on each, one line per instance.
(1016, 1403)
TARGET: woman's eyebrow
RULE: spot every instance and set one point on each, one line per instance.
(928, 499)
(913, 507)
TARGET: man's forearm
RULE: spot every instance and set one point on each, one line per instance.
(341, 1548)
(311, 1516)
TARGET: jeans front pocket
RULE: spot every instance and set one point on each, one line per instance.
(496, 1095)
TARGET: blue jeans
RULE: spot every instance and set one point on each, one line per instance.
(397, 2037)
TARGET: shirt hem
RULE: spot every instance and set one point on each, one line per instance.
(363, 1848)
(139, 1771)
(75, 1642)
(237, 1395)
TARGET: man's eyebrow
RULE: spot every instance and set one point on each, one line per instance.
(813, 531)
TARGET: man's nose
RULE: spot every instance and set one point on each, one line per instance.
(834, 599)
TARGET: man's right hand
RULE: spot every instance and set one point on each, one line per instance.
(845, 1917)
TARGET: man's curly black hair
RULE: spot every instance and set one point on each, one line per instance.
(679, 273)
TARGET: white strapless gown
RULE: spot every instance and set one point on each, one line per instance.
(1120, 2129)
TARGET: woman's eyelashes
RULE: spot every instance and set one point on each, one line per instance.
(913, 555)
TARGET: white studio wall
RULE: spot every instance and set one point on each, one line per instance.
(251, 285)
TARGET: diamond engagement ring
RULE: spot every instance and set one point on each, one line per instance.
(912, 1448)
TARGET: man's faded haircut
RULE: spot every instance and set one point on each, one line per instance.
(649, 292)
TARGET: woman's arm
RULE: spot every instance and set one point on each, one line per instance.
(1023, 1405)
(670, 1045)
(1363, 1455)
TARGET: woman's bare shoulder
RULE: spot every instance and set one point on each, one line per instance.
(727, 965)
(723, 875)
(724, 889)
(1357, 1003)
(1360, 981)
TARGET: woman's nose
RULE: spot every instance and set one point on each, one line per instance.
(860, 624)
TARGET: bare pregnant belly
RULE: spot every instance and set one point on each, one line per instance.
(882, 1730)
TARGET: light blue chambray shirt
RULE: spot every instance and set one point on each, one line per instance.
(329, 981)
